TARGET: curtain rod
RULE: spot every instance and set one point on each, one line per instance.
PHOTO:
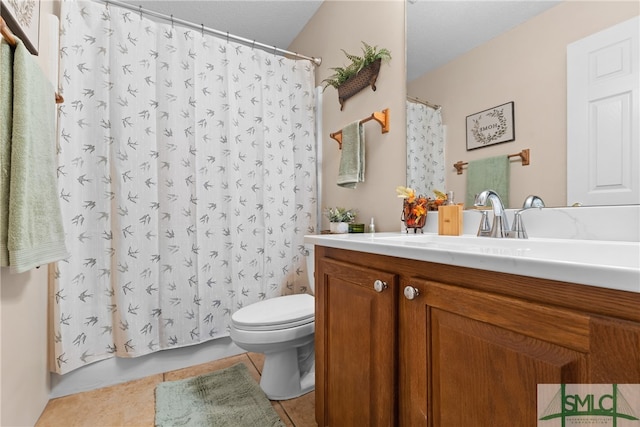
(428, 104)
(201, 27)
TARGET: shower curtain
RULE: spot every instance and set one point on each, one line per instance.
(187, 178)
(425, 149)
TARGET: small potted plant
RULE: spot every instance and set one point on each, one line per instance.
(339, 219)
(360, 73)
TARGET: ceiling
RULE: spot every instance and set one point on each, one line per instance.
(437, 31)
(271, 22)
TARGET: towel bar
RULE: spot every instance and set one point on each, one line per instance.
(9, 37)
(381, 117)
(524, 155)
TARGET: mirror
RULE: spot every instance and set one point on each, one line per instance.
(459, 56)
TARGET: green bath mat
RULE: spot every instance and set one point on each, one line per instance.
(229, 397)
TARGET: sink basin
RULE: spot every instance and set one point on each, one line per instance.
(621, 254)
(608, 264)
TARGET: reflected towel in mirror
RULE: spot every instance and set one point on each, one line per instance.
(489, 173)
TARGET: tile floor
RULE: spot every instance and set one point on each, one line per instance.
(133, 403)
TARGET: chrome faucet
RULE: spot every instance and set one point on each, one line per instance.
(517, 230)
(532, 202)
(500, 226)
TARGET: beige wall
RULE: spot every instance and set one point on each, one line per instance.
(540, 117)
(24, 374)
(343, 25)
(338, 24)
(526, 65)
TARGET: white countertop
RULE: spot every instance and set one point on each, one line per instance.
(605, 264)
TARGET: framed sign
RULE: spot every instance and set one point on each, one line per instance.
(491, 126)
(23, 19)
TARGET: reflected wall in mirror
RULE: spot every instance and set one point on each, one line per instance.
(525, 64)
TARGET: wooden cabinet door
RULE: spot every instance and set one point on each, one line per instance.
(615, 351)
(486, 353)
(356, 348)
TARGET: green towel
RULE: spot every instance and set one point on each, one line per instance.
(6, 103)
(35, 232)
(351, 169)
(491, 173)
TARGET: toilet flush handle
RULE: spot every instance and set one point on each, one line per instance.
(379, 285)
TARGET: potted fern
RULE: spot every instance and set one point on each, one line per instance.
(361, 72)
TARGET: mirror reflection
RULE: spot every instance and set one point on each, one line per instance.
(425, 148)
(469, 56)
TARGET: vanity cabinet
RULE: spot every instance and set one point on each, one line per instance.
(358, 345)
(468, 348)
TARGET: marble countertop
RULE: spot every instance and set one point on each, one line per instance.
(606, 264)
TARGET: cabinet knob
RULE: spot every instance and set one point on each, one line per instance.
(380, 286)
(410, 292)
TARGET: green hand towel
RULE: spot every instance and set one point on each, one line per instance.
(36, 234)
(491, 173)
(6, 104)
(351, 170)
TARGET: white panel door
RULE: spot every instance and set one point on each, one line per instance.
(603, 111)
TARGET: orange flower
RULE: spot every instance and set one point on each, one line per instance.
(420, 208)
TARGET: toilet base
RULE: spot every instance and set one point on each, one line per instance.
(288, 374)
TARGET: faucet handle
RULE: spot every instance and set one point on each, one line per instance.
(517, 230)
(533, 201)
(484, 229)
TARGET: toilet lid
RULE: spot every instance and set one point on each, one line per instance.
(275, 313)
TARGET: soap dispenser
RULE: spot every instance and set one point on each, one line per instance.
(372, 226)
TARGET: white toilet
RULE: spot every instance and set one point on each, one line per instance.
(283, 329)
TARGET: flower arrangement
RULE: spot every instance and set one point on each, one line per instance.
(433, 204)
(340, 214)
(415, 207)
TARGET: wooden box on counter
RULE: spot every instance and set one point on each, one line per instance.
(450, 220)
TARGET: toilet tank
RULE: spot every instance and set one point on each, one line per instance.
(310, 249)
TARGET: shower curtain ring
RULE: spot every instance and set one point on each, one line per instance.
(140, 8)
(274, 50)
(202, 25)
(172, 21)
(227, 36)
(253, 45)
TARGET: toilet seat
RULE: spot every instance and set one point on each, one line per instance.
(283, 312)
